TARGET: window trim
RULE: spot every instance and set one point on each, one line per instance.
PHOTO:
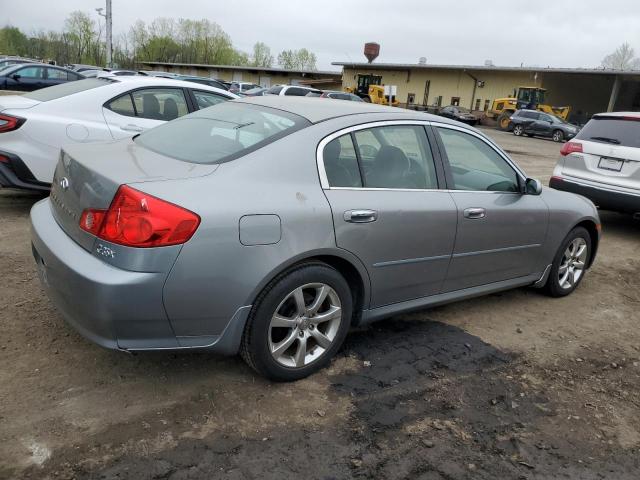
(322, 173)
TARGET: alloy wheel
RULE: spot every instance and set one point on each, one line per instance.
(517, 130)
(573, 263)
(305, 325)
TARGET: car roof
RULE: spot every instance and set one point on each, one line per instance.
(319, 109)
(145, 81)
(618, 114)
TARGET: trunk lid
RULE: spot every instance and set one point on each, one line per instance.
(16, 102)
(88, 176)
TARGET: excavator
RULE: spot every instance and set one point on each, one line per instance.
(525, 97)
(371, 90)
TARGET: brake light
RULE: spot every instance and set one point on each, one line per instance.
(9, 123)
(4, 159)
(136, 219)
(571, 147)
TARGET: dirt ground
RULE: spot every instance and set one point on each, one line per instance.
(513, 385)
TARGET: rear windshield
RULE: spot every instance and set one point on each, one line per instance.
(220, 133)
(66, 89)
(613, 131)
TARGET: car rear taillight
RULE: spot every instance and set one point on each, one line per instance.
(136, 219)
(9, 123)
(571, 147)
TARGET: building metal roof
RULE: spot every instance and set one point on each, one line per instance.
(243, 68)
(484, 68)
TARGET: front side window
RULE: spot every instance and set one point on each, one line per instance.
(31, 72)
(475, 165)
(296, 91)
(395, 157)
(275, 90)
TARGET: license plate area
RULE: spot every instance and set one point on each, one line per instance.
(611, 164)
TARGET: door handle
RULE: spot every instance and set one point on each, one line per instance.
(474, 212)
(132, 128)
(360, 216)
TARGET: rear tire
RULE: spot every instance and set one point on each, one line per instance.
(557, 136)
(570, 263)
(298, 323)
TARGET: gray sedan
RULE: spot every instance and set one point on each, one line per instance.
(270, 225)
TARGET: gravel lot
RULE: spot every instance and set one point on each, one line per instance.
(513, 385)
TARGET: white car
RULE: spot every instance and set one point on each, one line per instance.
(34, 127)
(293, 91)
(602, 162)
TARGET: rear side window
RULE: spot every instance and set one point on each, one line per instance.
(160, 103)
(55, 74)
(221, 133)
(296, 92)
(66, 89)
(532, 115)
(341, 163)
(123, 106)
(613, 131)
(275, 90)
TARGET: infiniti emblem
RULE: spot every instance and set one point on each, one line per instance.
(64, 183)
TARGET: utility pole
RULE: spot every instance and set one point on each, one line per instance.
(109, 25)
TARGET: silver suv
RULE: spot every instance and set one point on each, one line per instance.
(602, 163)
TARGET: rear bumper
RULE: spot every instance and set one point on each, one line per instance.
(604, 197)
(15, 174)
(115, 308)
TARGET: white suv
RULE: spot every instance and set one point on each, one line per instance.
(602, 162)
(294, 91)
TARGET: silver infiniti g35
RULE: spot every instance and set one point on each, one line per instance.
(269, 226)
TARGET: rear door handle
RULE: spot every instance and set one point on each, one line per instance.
(474, 212)
(360, 216)
(132, 128)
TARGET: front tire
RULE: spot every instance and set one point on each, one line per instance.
(570, 263)
(518, 130)
(298, 323)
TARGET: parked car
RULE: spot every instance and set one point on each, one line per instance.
(241, 87)
(122, 73)
(179, 238)
(78, 67)
(602, 162)
(4, 62)
(256, 92)
(202, 80)
(292, 90)
(461, 114)
(337, 95)
(33, 127)
(92, 73)
(28, 77)
(157, 73)
(535, 123)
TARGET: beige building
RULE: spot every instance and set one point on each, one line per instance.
(587, 91)
(265, 77)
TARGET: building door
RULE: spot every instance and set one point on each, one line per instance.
(486, 104)
(265, 81)
(425, 100)
(477, 104)
(455, 101)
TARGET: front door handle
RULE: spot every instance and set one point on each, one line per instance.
(360, 216)
(474, 212)
(132, 128)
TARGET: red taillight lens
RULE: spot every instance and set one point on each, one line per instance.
(9, 123)
(136, 219)
(571, 147)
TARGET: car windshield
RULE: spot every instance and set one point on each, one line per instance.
(613, 130)
(220, 133)
(66, 89)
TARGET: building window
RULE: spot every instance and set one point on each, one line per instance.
(455, 101)
(477, 104)
(486, 105)
(411, 98)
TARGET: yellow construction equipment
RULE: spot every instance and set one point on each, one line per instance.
(525, 97)
(369, 88)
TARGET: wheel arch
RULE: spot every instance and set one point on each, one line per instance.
(347, 264)
(591, 227)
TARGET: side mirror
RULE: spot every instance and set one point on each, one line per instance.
(15, 76)
(532, 186)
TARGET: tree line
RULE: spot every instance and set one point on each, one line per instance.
(82, 40)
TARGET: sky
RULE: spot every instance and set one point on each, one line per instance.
(560, 33)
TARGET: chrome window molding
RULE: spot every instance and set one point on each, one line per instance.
(324, 182)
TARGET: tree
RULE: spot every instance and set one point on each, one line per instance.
(261, 56)
(301, 59)
(13, 41)
(622, 59)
